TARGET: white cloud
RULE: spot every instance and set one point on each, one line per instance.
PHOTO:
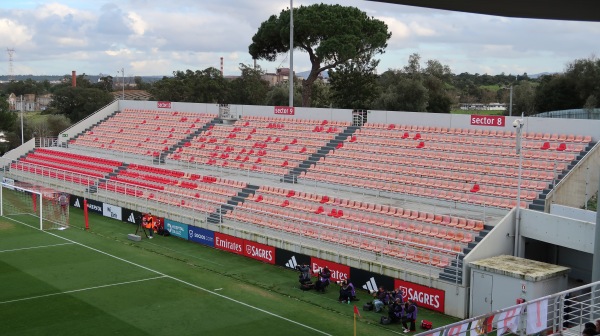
(157, 36)
(71, 42)
(12, 33)
(119, 52)
(152, 67)
(137, 23)
(55, 9)
(421, 30)
(399, 30)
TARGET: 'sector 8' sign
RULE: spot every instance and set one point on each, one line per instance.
(486, 120)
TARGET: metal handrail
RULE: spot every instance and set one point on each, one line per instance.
(567, 312)
(572, 171)
(89, 116)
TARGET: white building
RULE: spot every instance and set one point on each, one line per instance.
(480, 106)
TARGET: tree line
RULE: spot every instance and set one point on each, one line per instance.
(418, 86)
(342, 42)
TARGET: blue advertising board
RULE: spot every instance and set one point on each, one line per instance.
(176, 229)
(201, 236)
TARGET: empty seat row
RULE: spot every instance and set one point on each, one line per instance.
(294, 120)
(395, 246)
(127, 129)
(313, 203)
(419, 191)
(477, 132)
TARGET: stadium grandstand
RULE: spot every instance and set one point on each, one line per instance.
(393, 199)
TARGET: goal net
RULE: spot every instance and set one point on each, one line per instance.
(42, 207)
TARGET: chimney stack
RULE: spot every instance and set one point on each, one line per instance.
(73, 78)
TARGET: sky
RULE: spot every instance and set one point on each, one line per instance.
(158, 37)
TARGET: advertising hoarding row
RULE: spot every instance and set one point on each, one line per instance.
(111, 211)
(427, 297)
(226, 242)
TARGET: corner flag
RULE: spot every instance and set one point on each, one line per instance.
(356, 311)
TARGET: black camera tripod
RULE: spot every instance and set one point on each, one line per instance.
(141, 227)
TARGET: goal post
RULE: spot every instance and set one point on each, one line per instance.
(42, 207)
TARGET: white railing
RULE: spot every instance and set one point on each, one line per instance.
(178, 203)
(46, 142)
(562, 313)
(87, 118)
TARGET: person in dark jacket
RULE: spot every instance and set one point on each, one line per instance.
(590, 328)
(304, 277)
(397, 294)
(381, 298)
(410, 315)
(352, 291)
(323, 279)
(345, 292)
(396, 310)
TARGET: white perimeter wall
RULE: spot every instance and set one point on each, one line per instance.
(541, 125)
(570, 212)
(557, 230)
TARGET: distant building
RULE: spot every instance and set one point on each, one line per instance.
(483, 107)
(12, 102)
(132, 95)
(29, 102)
(281, 75)
(43, 101)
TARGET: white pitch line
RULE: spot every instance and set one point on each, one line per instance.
(34, 247)
(182, 281)
(81, 290)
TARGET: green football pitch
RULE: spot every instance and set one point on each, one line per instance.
(97, 282)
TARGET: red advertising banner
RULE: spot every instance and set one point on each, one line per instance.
(424, 296)
(338, 271)
(284, 110)
(487, 120)
(163, 104)
(229, 243)
(259, 252)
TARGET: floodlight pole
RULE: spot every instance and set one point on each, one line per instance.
(519, 138)
(22, 139)
(123, 76)
(510, 101)
(291, 74)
